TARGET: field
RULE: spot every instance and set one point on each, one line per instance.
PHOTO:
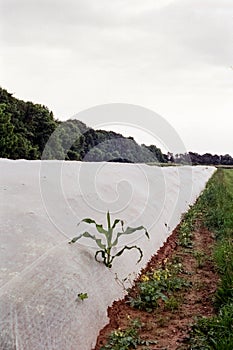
(42, 275)
(184, 297)
(61, 289)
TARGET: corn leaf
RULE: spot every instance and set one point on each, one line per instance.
(129, 248)
(102, 252)
(99, 227)
(75, 239)
(88, 235)
(88, 221)
(129, 231)
(116, 222)
(108, 220)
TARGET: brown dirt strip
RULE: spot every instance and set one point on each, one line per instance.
(170, 328)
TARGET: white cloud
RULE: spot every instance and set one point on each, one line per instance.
(162, 54)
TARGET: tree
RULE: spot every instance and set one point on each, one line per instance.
(7, 137)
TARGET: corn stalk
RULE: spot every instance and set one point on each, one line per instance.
(105, 251)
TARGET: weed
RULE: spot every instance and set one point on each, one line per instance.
(215, 332)
(82, 296)
(199, 285)
(126, 281)
(186, 229)
(200, 258)
(172, 303)
(126, 339)
(163, 321)
(158, 286)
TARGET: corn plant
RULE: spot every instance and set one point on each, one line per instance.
(105, 250)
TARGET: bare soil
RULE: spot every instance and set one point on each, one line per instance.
(170, 329)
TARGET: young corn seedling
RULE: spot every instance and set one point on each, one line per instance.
(105, 251)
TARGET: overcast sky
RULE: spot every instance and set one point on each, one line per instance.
(171, 56)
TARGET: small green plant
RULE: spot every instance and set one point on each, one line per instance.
(82, 296)
(106, 247)
(187, 226)
(200, 258)
(185, 238)
(215, 332)
(172, 303)
(127, 339)
(158, 286)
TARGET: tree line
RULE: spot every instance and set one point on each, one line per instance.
(30, 131)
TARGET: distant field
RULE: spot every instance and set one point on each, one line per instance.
(228, 176)
(224, 166)
(176, 164)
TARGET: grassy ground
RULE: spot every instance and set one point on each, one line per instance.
(228, 175)
(184, 298)
(217, 203)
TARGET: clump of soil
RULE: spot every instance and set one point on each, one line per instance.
(170, 328)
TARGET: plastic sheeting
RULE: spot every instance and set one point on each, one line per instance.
(41, 274)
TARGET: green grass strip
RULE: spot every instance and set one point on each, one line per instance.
(216, 204)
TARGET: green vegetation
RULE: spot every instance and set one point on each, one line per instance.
(214, 333)
(186, 228)
(216, 204)
(26, 128)
(228, 180)
(164, 288)
(82, 296)
(200, 257)
(110, 242)
(159, 286)
(127, 339)
(27, 125)
(204, 159)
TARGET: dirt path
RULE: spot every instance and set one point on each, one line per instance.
(170, 328)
